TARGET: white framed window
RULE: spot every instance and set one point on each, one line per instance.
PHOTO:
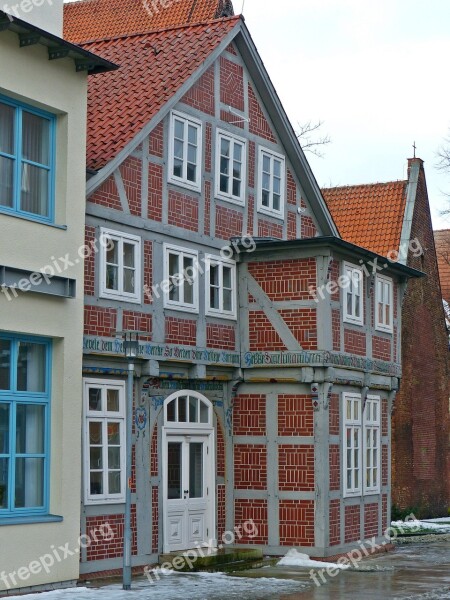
(372, 444)
(220, 287)
(362, 445)
(180, 285)
(231, 152)
(185, 150)
(383, 303)
(352, 445)
(104, 441)
(120, 266)
(353, 294)
(271, 177)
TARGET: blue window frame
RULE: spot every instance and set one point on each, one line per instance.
(24, 425)
(27, 157)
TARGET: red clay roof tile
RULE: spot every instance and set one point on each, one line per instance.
(99, 19)
(369, 215)
(154, 67)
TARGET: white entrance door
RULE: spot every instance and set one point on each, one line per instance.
(189, 471)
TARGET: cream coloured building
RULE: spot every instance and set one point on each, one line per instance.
(43, 90)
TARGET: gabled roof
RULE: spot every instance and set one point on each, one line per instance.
(154, 67)
(369, 215)
(99, 19)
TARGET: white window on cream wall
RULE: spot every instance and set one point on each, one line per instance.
(353, 296)
(104, 441)
(120, 266)
(384, 303)
(231, 153)
(180, 286)
(271, 183)
(220, 287)
(185, 151)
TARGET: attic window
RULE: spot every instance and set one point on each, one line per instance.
(185, 151)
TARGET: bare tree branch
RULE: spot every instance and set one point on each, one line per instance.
(306, 136)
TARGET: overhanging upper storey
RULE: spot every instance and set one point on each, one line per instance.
(29, 35)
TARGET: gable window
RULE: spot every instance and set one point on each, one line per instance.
(353, 295)
(220, 287)
(383, 303)
(120, 266)
(362, 449)
(180, 278)
(271, 183)
(185, 150)
(104, 441)
(27, 140)
(24, 426)
(231, 167)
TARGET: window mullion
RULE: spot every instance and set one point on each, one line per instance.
(120, 265)
(12, 462)
(105, 456)
(185, 149)
(18, 166)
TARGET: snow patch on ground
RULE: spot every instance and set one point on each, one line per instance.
(296, 559)
(416, 525)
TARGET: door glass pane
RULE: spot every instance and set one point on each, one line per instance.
(114, 482)
(171, 411)
(196, 470)
(96, 483)
(174, 470)
(95, 399)
(6, 181)
(29, 490)
(204, 412)
(30, 427)
(96, 457)
(35, 138)
(113, 401)
(4, 429)
(114, 457)
(193, 402)
(31, 367)
(182, 409)
(5, 364)
(95, 433)
(113, 434)
(4, 466)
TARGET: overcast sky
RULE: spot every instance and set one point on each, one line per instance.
(376, 72)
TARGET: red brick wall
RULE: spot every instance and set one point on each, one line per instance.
(384, 465)
(251, 163)
(336, 328)
(156, 140)
(371, 520)
(355, 342)
(155, 180)
(207, 228)
(352, 524)
(155, 518)
(221, 504)
(100, 321)
(102, 548)
(148, 270)
(295, 416)
(154, 452)
(228, 117)
(334, 414)
(89, 262)
(137, 321)
(381, 348)
(296, 468)
(208, 147)
(303, 324)
(131, 171)
(269, 229)
(309, 229)
(107, 195)
(291, 188)
(183, 210)
(291, 226)
(201, 94)
(335, 468)
(231, 84)
(285, 280)
(228, 222)
(221, 336)
(421, 462)
(255, 510)
(296, 522)
(249, 415)
(335, 522)
(384, 516)
(262, 335)
(250, 467)
(181, 331)
(258, 122)
(220, 442)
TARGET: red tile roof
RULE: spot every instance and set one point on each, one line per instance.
(154, 67)
(99, 19)
(370, 215)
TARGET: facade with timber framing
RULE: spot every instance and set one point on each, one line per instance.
(263, 390)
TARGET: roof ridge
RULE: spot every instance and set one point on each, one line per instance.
(160, 30)
(354, 185)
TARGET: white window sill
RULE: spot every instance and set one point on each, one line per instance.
(188, 185)
(271, 213)
(181, 308)
(120, 298)
(230, 199)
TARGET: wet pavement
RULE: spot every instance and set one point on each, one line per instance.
(418, 570)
